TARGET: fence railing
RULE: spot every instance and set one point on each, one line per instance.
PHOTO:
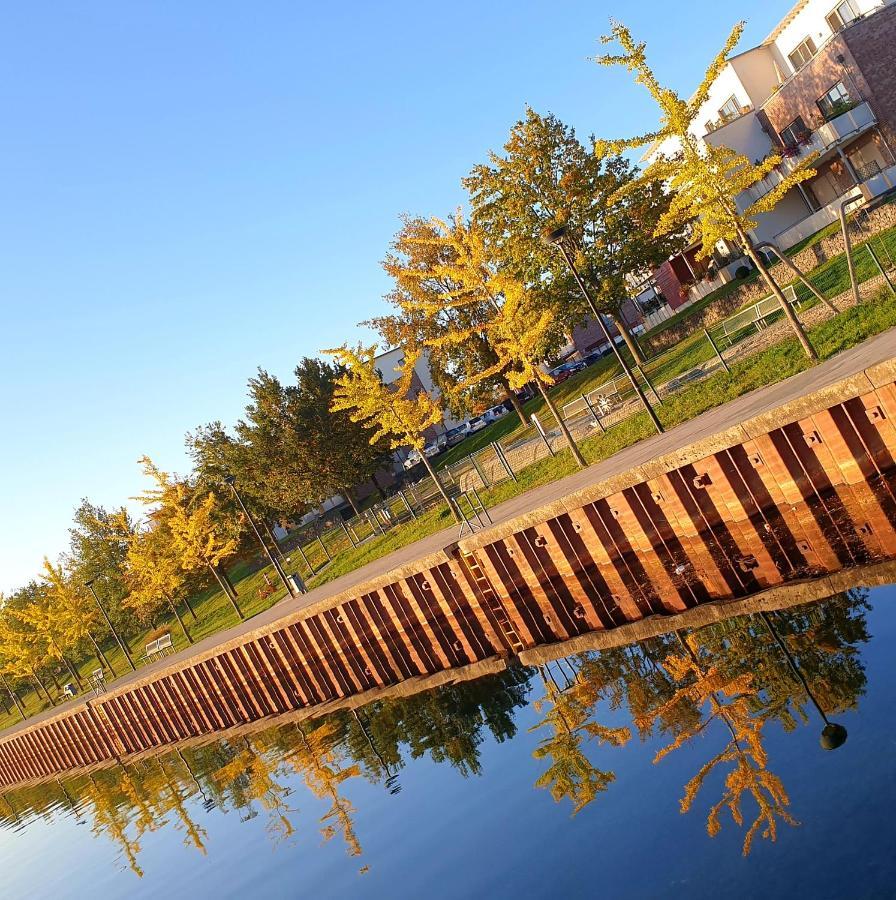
(600, 408)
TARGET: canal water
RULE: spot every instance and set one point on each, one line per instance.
(751, 757)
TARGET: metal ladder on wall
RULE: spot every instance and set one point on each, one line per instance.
(490, 599)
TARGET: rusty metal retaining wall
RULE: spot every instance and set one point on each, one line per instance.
(812, 496)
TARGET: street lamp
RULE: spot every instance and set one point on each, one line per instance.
(832, 735)
(556, 237)
(230, 481)
(122, 645)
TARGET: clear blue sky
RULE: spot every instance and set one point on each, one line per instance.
(193, 190)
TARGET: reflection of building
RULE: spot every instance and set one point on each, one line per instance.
(823, 82)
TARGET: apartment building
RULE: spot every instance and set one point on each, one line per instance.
(823, 82)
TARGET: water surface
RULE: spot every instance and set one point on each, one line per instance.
(690, 762)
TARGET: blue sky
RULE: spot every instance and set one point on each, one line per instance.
(193, 190)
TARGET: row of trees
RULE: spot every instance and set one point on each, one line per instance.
(490, 300)
(483, 295)
(726, 683)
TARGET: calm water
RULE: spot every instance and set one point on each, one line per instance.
(689, 763)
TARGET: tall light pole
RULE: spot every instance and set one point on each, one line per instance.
(230, 480)
(556, 237)
(115, 634)
(832, 735)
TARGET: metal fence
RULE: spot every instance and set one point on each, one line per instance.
(593, 412)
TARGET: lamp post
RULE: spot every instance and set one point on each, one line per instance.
(832, 735)
(122, 645)
(556, 236)
(230, 481)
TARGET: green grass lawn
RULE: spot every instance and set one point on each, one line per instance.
(780, 361)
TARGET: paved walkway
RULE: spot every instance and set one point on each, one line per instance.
(850, 363)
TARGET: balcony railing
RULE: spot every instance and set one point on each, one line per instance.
(826, 137)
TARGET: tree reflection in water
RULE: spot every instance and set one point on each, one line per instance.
(738, 675)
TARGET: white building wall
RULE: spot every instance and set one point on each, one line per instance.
(809, 21)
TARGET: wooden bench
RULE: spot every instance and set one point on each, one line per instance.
(160, 647)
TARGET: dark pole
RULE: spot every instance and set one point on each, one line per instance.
(231, 481)
(555, 237)
(122, 645)
(832, 735)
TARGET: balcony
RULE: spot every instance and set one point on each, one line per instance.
(823, 142)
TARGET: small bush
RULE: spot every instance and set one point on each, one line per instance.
(741, 272)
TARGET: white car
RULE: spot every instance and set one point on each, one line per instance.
(476, 424)
(412, 459)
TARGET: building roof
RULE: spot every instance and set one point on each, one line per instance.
(792, 13)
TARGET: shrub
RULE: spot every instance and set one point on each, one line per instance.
(741, 272)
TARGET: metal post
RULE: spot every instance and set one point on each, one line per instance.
(718, 352)
(847, 240)
(305, 558)
(348, 534)
(231, 481)
(320, 541)
(556, 238)
(410, 508)
(540, 430)
(649, 383)
(880, 268)
(502, 458)
(118, 640)
(479, 471)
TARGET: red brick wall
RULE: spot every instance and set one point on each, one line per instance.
(872, 44)
(797, 97)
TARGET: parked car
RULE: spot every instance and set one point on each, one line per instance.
(596, 355)
(561, 373)
(477, 423)
(457, 434)
(413, 459)
(436, 447)
(497, 412)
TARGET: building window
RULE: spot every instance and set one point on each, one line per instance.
(794, 134)
(835, 102)
(841, 15)
(802, 54)
(729, 111)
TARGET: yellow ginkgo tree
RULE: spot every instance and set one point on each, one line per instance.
(705, 179)
(518, 330)
(399, 412)
(75, 612)
(154, 575)
(200, 533)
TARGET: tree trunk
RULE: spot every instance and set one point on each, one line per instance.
(573, 446)
(180, 621)
(348, 496)
(378, 486)
(272, 539)
(224, 585)
(190, 609)
(629, 339)
(795, 324)
(71, 670)
(514, 400)
(101, 657)
(435, 478)
(41, 686)
(15, 699)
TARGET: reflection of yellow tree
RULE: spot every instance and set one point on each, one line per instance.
(314, 757)
(728, 698)
(568, 715)
(255, 775)
(174, 799)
